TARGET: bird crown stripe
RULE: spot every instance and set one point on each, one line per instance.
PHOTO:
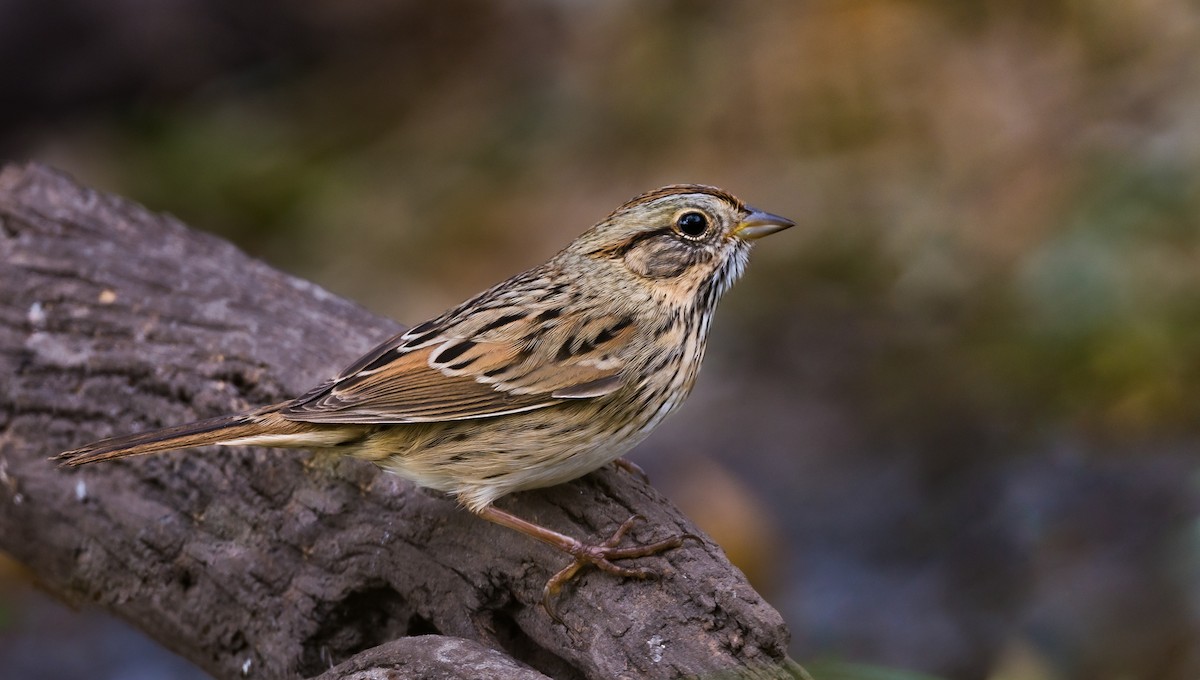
(677, 189)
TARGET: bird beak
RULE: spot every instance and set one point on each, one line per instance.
(759, 224)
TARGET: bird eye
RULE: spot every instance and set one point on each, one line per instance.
(692, 224)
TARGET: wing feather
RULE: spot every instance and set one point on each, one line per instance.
(507, 363)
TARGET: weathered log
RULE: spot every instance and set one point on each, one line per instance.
(275, 563)
(431, 657)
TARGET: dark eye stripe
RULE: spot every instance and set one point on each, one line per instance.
(619, 250)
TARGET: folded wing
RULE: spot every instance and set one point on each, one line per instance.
(506, 363)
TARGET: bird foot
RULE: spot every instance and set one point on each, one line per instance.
(602, 555)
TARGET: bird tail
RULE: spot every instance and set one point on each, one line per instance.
(265, 427)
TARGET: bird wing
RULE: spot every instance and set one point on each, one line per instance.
(488, 364)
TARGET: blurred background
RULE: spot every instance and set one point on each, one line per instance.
(949, 425)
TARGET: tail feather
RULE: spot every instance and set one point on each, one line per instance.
(246, 428)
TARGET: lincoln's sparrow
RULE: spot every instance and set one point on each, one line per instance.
(533, 382)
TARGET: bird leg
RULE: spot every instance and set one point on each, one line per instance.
(598, 555)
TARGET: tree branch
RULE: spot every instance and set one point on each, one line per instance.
(272, 563)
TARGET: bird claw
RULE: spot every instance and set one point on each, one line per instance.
(601, 556)
(632, 468)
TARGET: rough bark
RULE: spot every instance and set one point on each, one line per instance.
(274, 563)
(426, 657)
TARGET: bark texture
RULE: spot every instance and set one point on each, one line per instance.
(285, 564)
